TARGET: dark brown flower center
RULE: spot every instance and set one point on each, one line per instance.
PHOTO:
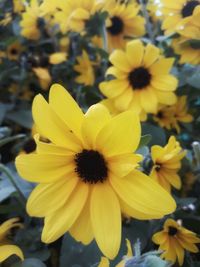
(14, 51)
(139, 78)
(91, 166)
(160, 115)
(188, 8)
(117, 26)
(172, 231)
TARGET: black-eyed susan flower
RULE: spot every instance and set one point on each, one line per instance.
(142, 78)
(6, 249)
(167, 163)
(123, 22)
(176, 13)
(190, 27)
(57, 58)
(85, 69)
(105, 262)
(187, 51)
(14, 50)
(31, 21)
(73, 15)
(174, 239)
(87, 172)
(170, 117)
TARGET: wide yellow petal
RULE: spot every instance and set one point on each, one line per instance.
(66, 108)
(47, 198)
(44, 168)
(149, 100)
(106, 219)
(104, 262)
(113, 88)
(166, 98)
(121, 135)
(51, 126)
(7, 250)
(162, 66)
(160, 237)
(143, 194)
(82, 230)
(151, 55)
(119, 60)
(164, 82)
(58, 223)
(95, 119)
(135, 52)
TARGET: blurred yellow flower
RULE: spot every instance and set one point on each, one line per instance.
(88, 156)
(167, 162)
(44, 77)
(57, 58)
(177, 13)
(7, 250)
(14, 50)
(85, 70)
(171, 116)
(123, 22)
(174, 239)
(6, 20)
(142, 78)
(18, 6)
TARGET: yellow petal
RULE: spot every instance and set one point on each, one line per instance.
(143, 194)
(162, 66)
(104, 262)
(95, 119)
(121, 135)
(149, 100)
(160, 237)
(164, 82)
(51, 126)
(106, 219)
(58, 223)
(45, 199)
(151, 55)
(82, 230)
(44, 168)
(66, 108)
(167, 98)
(179, 251)
(135, 52)
(7, 250)
(57, 58)
(119, 60)
(113, 88)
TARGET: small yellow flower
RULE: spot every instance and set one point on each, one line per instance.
(167, 162)
(177, 13)
(6, 250)
(43, 76)
(6, 20)
(105, 262)
(87, 172)
(174, 239)
(31, 21)
(57, 58)
(14, 50)
(142, 78)
(123, 22)
(170, 116)
(190, 28)
(85, 70)
(187, 51)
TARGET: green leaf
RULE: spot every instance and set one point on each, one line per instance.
(145, 139)
(21, 117)
(194, 80)
(158, 136)
(11, 139)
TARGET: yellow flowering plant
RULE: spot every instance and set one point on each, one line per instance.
(99, 133)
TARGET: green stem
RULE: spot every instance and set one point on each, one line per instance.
(12, 180)
(104, 37)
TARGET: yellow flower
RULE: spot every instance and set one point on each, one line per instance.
(43, 76)
(57, 58)
(72, 15)
(174, 239)
(6, 20)
(142, 78)
(187, 51)
(176, 13)
(123, 22)
(49, 6)
(170, 116)
(18, 6)
(190, 28)
(87, 172)
(85, 69)
(31, 21)
(6, 250)
(105, 262)
(167, 162)
(64, 43)
(14, 50)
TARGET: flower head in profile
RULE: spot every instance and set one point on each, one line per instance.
(85, 69)
(170, 117)
(167, 162)
(177, 13)
(187, 51)
(174, 239)
(142, 78)
(123, 22)
(87, 175)
(7, 250)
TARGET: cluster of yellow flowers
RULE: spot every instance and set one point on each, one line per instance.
(87, 164)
